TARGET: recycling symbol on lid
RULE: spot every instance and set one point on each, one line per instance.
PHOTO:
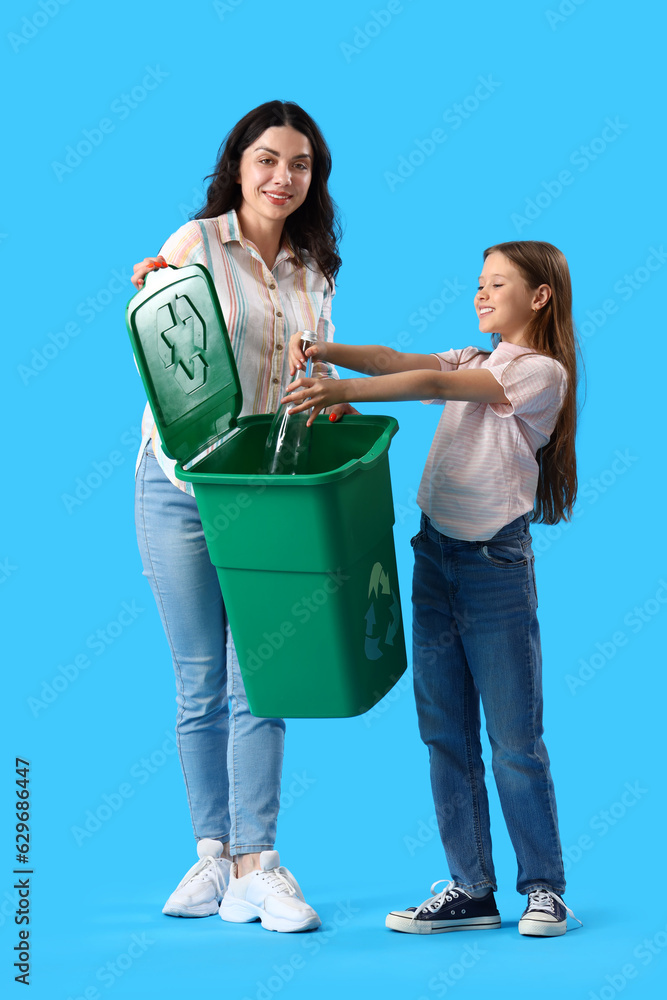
(182, 341)
(383, 616)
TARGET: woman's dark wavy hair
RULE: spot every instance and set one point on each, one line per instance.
(551, 332)
(314, 227)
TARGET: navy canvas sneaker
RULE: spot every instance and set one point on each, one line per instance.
(451, 909)
(545, 915)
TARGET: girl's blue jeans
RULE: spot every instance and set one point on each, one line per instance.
(231, 761)
(476, 634)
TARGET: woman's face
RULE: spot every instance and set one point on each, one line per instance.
(275, 173)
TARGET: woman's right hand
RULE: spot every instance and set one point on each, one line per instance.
(297, 358)
(142, 269)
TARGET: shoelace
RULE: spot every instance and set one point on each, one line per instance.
(205, 868)
(540, 899)
(277, 879)
(446, 895)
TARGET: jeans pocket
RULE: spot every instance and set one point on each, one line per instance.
(505, 553)
(422, 533)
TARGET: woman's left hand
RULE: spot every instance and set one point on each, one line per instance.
(318, 393)
(337, 411)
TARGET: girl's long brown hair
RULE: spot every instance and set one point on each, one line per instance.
(551, 332)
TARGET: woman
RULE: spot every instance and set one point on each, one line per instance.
(268, 234)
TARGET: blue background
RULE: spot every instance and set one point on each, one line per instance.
(356, 825)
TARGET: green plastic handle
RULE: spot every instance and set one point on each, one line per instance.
(381, 444)
(156, 270)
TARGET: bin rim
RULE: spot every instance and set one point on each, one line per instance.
(367, 461)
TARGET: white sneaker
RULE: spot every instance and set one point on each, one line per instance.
(199, 892)
(270, 894)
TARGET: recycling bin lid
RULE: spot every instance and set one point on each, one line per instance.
(185, 359)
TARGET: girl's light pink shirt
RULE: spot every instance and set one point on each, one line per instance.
(481, 472)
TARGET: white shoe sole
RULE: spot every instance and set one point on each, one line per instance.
(179, 910)
(398, 922)
(542, 928)
(239, 911)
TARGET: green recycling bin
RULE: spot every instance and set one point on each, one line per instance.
(306, 562)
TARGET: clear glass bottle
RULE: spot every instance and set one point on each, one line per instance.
(288, 441)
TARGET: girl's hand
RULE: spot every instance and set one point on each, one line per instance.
(142, 269)
(296, 357)
(317, 393)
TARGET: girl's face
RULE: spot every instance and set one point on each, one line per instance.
(504, 302)
(275, 173)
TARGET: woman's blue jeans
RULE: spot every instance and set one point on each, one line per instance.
(475, 633)
(231, 761)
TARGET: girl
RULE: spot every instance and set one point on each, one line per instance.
(503, 455)
(268, 235)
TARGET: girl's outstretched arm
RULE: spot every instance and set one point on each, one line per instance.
(370, 359)
(470, 385)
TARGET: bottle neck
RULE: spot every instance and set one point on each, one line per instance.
(307, 340)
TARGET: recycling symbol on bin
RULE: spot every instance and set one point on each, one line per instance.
(383, 616)
(182, 342)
